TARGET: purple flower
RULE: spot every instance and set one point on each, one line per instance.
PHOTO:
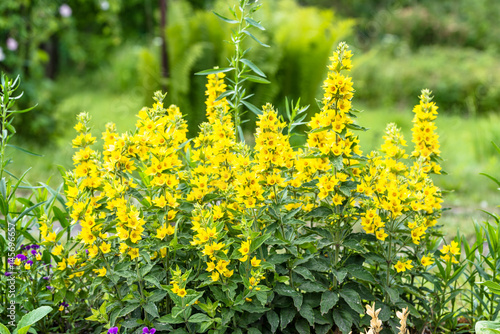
(33, 252)
(28, 247)
(113, 330)
(21, 257)
(65, 10)
(8, 274)
(49, 287)
(46, 278)
(35, 246)
(29, 262)
(11, 261)
(146, 330)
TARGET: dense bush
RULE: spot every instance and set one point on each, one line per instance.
(389, 74)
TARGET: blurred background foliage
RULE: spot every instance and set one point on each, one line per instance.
(105, 57)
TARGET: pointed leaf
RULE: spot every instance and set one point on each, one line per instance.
(225, 19)
(352, 298)
(253, 67)
(215, 71)
(254, 78)
(246, 32)
(252, 108)
(328, 300)
(273, 319)
(254, 23)
(286, 316)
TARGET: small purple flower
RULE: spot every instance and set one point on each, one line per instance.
(29, 262)
(8, 274)
(35, 246)
(113, 330)
(11, 261)
(33, 252)
(49, 287)
(46, 278)
(28, 247)
(21, 257)
(146, 330)
(65, 10)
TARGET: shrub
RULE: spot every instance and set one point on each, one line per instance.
(208, 233)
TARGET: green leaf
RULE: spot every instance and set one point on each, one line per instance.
(343, 320)
(31, 318)
(169, 319)
(273, 319)
(328, 300)
(352, 298)
(151, 309)
(24, 150)
(246, 32)
(257, 242)
(312, 287)
(319, 212)
(255, 78)
(253, 67)
(487, 327)
(286, 316)
(215, 71)
(254, 23)
(252, 108)
(340, 274)
(157, 295)
(127, 309)
(307, 312)
(28, 210)
(304, 272)
(4, 330)
(199, 317)
(494, 287)
(225, 19)
(302, 327)
(361, 273)
(253, 330)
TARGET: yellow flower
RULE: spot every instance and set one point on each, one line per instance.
(381, 235)
(134, 253)
(454, 249)
(57, 250)
(254, 262)
(62, 265)
(215, 276)
(72, 260)
(400, 266)
(101, 272)
(182, 293)
(51, 237)
(105, 248)
(245, 248)
(210, 266)
(27, 266)
(426, 261)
